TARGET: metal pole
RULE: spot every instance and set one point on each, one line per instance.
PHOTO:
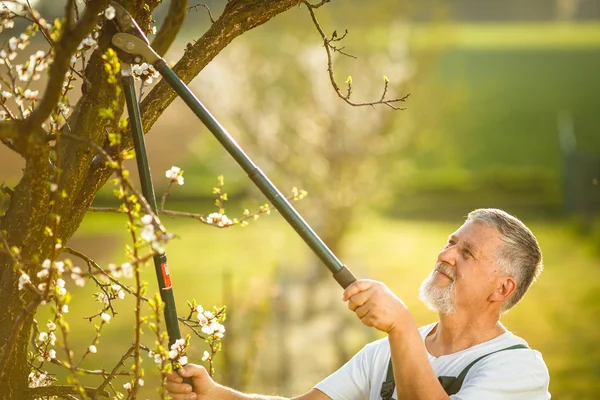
(340, 272)
(160, 260)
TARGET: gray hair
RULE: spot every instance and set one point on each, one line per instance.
(520, 256)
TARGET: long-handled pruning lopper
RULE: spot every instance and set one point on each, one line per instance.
(133, 47)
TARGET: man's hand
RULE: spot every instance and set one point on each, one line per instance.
(204, 387)
(376, 305)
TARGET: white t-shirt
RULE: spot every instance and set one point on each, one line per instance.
(519, 374)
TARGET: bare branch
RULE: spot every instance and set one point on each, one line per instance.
(322, 3)
(329, 48)
(207, 9)
(115, 370)
(170, 27)
(62, 391)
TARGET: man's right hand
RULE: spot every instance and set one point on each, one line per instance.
(203, 388)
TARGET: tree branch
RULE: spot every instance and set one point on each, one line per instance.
(115, 370)
(9, 130)
(195, 7)
(328, 48)
(62, 391)
(63, 49)
(170, 27)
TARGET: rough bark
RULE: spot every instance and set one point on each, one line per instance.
(83, 172)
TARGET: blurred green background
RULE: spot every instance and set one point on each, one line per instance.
(504, 112)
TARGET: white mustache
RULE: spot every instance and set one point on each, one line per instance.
(445, 269)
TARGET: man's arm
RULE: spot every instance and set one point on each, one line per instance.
(207, 389)
(376, 306)
(414, 377)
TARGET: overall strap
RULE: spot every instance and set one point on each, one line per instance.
(450, 384)
(457, 383)
(387, 388)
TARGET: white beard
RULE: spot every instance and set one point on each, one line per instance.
(437, 298)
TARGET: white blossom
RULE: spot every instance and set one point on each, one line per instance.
(199, 309)
(6, 95)
(218, 219)
(31, 95)
(127, 270)
(43, 336)
(141, 382)
(183, 360)
(173, 172)
(51, 354)
(12, 43)
(52, 337)
(173, 354)
(65, 308)
(206, 356)
(121, 294)
(102, 298)
(148, 234)
(23, 280)
(109, 13)
(38, 379)
(51, 326)
(145, 72)
(207, 329)
(105, 317)
(60, 266)
(60, 283)
(92, 349)
(157, 247)
(127, 386)
(116, 272)
(147, 219)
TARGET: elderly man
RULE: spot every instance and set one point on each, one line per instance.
(485, 269)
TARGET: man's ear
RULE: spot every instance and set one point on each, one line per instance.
(507, 285)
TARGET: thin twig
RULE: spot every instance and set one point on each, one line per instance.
(115, 369)
(328, 48)
(207, 9)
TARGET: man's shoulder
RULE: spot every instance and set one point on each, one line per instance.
(383, 344)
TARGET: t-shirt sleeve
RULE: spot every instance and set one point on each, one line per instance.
(352, 380)
(507, 375)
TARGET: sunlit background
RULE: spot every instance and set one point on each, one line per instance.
(504, 111)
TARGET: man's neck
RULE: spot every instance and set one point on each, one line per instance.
(458, 332)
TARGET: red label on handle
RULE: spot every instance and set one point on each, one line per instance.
(166, 276)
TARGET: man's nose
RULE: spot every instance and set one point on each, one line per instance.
(448, 255)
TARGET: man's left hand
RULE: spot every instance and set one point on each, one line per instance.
(376, 305)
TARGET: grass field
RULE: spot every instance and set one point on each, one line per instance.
(559, 316)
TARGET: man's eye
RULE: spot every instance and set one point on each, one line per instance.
(467, 253)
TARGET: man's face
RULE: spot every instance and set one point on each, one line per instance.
(465, 273)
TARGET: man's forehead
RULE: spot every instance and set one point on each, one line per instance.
(476, 234)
